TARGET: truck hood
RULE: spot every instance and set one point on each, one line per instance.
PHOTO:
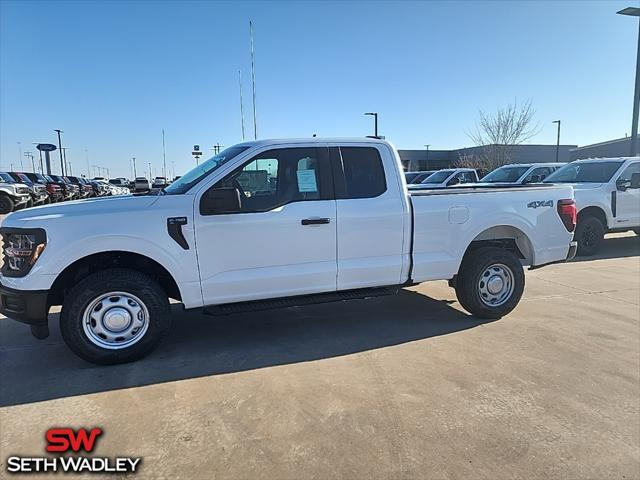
(78, 208)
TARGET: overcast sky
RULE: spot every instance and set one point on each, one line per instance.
(113, 74)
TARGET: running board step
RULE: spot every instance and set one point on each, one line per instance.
(300, 300)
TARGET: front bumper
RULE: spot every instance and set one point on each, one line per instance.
(21, 199)
(26, 306)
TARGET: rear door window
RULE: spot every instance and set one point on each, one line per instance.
(363, 172)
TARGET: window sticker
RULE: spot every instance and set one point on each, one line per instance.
(307, 181)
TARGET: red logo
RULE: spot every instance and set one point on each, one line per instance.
(65, 439)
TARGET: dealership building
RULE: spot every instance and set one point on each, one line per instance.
(414, 160)
(420, 160)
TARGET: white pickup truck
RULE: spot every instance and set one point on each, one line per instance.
(607, 194)
(268, 224)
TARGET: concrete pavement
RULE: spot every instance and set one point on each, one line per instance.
(404, 386)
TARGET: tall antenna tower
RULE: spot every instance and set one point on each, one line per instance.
(253, 80)
(241, 102)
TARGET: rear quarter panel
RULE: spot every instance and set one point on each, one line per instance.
(446, 223)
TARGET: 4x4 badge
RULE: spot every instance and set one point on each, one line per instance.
(544, 203)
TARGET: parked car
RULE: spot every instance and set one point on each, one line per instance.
(607, 193)
(37, 191)
(13, 195)
(159, 182)
(100, 188)
(120, 182)
(447, 178)
(69, 190)
(86, 190)
(54, 190)
(417, 177)
(141, 184)
(113, 265)
(521, 173)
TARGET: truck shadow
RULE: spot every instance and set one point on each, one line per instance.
(200, 345)
(615, 247)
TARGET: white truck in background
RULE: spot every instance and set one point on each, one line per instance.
(607, 194)
(268, 224)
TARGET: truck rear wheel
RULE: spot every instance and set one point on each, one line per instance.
(490, 282)
(115, 316)
(6, 204)
(589, 235)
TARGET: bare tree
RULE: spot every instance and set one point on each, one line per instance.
(498, 134)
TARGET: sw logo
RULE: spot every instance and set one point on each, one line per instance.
(67, 440)
(540, 203)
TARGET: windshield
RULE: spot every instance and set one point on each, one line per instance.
(196, 174)
(505, 174)
(6, 177)
(584, 172)
(438, 177)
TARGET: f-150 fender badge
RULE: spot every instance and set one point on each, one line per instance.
(543, 203)
(174, 227)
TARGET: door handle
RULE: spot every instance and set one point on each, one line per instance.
(315, 221)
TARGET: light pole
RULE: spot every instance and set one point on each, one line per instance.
(635, 12)
(33, 165)
(64, 155)
(557, 140)
(60, 151)
(134, 168)
(428, 145)
(375, 117)
(36, 143)
(20, 153)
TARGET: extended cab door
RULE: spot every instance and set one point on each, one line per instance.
(372, 215)
(283, 241)
(628, 200)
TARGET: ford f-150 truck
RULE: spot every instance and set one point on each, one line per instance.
(607, 195)
(267, 224)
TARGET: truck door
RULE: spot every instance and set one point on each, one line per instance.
(628, 199)
(370, 217)
(283, 241)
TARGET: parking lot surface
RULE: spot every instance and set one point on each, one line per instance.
(403, 386)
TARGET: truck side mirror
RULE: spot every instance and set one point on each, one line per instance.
(635, 180)
(220, 200)
(622, 184)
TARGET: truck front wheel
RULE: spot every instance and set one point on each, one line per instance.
(589, 235)
(6, 204)
(115, 316)
(490, 282)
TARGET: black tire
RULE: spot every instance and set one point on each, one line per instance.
(589, 235)
(474, 267)
(637, 231)
(6, 204)
(29, 203)
(91, 288)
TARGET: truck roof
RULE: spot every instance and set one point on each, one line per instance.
(276, 141)
(605, 159)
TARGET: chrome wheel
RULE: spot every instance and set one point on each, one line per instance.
(496, 285)
(115, 320)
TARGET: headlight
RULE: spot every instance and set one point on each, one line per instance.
(21, 248)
